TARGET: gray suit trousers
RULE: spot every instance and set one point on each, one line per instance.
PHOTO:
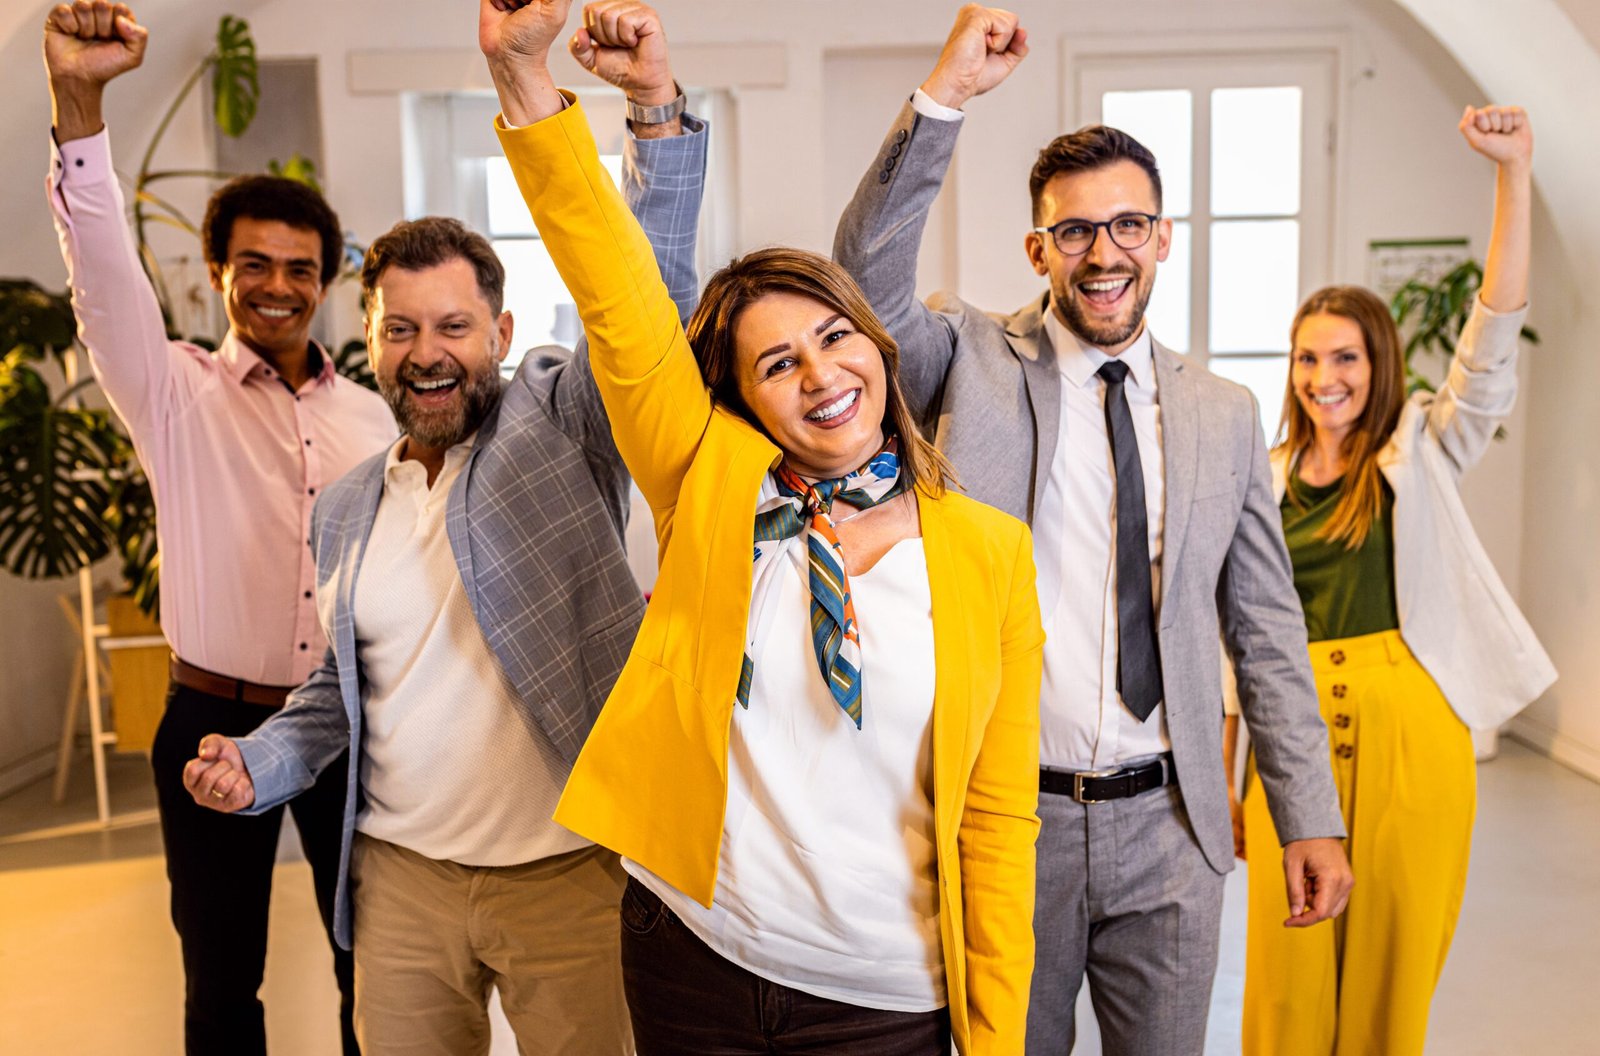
(1126, 893)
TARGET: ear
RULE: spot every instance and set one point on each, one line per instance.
(214, 273)
(372, 346)
(503, 329)
(1033, 245)
(1163, 238)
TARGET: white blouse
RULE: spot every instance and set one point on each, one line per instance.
(827, 879)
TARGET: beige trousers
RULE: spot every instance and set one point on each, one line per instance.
(432, 937)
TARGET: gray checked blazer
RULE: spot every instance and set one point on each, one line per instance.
(986, 387)
(536, 522)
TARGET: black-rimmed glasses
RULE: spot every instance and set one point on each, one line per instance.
(1074, 237)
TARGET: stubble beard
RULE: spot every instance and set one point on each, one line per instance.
(480, 394)
(1100, 334)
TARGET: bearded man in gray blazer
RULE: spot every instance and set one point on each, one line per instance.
(1145, 480)
(479, 605)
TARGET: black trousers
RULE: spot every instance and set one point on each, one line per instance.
(685, 999)
(220, 868)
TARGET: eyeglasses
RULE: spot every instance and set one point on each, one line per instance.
(1075, 237)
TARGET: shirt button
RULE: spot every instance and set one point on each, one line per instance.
(304, 646)
(311, 491)
(308, 593)
(308, 443)
(79, 163)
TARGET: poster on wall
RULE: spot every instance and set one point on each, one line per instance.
(1393, 263)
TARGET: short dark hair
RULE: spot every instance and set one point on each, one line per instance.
(1091, 147)
(271, 198)
(419, 244)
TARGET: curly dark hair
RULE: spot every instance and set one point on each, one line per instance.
(271, 198)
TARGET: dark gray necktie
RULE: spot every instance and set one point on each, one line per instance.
(1138, 662)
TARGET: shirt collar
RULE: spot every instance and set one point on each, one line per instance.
(240, 361)
(1078, 360)
(394, 464)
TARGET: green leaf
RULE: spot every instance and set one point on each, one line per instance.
(298, 168)
(34, 320)
(351, 361)
(235, 84)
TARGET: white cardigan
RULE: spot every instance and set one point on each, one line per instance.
(1456, 616)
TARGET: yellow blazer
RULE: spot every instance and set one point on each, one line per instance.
(652, 780)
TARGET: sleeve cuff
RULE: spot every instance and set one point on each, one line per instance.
(924, 104)
(568, 99)
(1489, 340)
(86, 160)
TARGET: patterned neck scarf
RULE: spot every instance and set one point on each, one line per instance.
(795, 528)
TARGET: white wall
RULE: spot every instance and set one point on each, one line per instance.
(1405, 172)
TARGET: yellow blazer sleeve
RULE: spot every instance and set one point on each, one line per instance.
(657, 401)
(999, 826)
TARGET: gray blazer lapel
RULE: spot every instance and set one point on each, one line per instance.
(1180, 452)
(354, 531)
(1026, 334)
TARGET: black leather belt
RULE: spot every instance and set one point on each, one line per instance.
(1099, 786)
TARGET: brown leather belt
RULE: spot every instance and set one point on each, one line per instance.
(198, 678)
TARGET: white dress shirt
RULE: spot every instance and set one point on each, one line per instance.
(452, 767)
(827, 880)
(1083, 723)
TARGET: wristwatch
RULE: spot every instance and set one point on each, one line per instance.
(657, 115)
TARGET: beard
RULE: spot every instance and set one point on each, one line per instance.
(1104, 333)
(442, 427)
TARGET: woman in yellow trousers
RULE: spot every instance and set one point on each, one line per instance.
(1413, 640)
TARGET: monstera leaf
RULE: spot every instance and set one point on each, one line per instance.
(298, 168)
(54, 493)
(235, 84)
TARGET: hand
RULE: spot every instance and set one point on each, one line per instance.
(1500, 133)
(984, 46)
(1236, 811)
(1318, 878)
(623, 44)
(217, 778)
(90, 42)
(514, 33)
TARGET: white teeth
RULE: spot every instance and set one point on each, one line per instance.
(1329, 401)
(276, 313)
(836, 408)
(1106, 285)
(429, 386)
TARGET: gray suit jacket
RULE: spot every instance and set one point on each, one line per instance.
(987, 388)
(536, 523)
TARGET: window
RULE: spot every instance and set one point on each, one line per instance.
(454, 167)
(1245, 147)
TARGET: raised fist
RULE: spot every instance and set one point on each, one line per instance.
(1500, 133)
(622, 43)
(984, 46)
(520, 32)
(92, 41)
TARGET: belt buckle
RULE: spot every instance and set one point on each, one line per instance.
(1080, 776)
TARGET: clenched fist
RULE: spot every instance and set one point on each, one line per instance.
(217, 777)
(984, 46)
(92, 41)
(622, 43)
(1500, 133)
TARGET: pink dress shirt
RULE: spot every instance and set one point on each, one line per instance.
(235, 458)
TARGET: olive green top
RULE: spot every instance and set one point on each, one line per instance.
(1345, 593)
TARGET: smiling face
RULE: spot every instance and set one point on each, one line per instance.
(1100, 295)
(271, 284)
(812, 380)
(1331, 372)
(436, 349)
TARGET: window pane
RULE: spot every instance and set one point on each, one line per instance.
(1255, 283)
(542, 311)
(1255, 151)
(1163, 122)
(1168, 313)
(508, 213)
(1265, 376)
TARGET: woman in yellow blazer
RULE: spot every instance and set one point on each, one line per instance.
(829, 823)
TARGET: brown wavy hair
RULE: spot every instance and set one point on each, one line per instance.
(1361, 492)
(781, 269)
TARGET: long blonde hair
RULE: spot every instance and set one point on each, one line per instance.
(781, 269)
(1361, 492)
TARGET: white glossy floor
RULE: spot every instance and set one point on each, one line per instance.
(89, 963)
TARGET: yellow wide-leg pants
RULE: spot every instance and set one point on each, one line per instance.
(1361, 984)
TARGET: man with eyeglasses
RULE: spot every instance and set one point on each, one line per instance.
(1145, 479)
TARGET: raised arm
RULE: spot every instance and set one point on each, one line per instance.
(1481, 386)
(86, 45)
(880, 231)
(647, 375)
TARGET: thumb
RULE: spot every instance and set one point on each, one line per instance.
(210, 747)
(582, 47)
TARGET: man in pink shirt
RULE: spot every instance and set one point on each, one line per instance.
(237, 445)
